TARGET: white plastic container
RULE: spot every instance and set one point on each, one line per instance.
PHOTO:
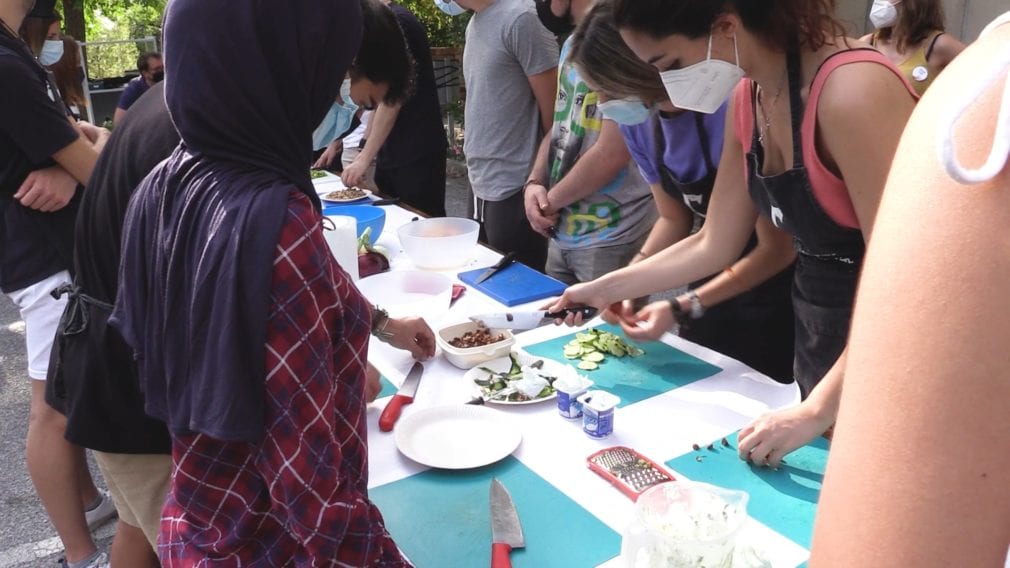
(342, 239)
(439, 243)
(409, 293)
(684, 524)
(470, 357)
(598, 408)
(568, 393)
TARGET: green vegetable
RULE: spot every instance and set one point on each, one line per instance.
(316, 174)
(593, 346)
(496, 382)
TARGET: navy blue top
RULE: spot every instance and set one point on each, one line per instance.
(134, 89)
(33, 127)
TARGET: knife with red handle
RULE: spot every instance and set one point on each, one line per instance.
(506, 532)
(402, 397)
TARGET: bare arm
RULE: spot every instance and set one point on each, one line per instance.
(928, 365)
(731, 218)
(118, 115)
(379, 126)
(545, 87)
(773, 253)
(674, 223)
(861, 115)
(535, 202)
(594, 170)
(946, 49)
(79, 158)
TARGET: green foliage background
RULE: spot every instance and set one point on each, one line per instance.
(107, 20)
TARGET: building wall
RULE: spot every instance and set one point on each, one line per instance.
(965, 18)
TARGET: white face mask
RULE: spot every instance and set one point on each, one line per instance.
(883, 14)
(1000, 152)
(704, 86)
(52, 51)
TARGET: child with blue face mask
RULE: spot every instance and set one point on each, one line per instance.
(746, 310)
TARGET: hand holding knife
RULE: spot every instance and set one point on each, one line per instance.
(404, 396)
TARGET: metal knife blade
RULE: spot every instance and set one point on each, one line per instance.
(529, 320)
(403, 396)
(491, 271)
(505, 526)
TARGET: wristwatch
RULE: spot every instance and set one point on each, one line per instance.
(697, 309)
(380, 319)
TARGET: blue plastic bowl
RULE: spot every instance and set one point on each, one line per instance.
(365, 215)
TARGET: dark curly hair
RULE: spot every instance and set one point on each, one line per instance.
(778, 22)
(384, 56)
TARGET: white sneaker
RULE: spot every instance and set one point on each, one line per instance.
(99, 561)
(103, 511)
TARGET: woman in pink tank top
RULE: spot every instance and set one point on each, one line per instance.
(810, 137)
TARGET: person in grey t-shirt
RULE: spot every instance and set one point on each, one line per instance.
(510, 69)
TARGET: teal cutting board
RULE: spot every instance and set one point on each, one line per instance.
(515, 284)
(662, 368)
(785, 500)
(441, 519)
(388, 389)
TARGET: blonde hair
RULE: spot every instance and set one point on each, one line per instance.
(608, 64)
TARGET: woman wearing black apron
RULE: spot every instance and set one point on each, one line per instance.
(816, 162)
(745, 312)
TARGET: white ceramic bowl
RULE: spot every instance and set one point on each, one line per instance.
(439, 243)
(409, 293)
(470, 357)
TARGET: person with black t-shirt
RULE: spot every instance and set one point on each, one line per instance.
(45, 158)
(92, 376)
(409, 140)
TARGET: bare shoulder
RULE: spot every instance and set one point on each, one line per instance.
(863, 92)
(946, 48)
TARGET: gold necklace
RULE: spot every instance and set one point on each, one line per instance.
(764, 113)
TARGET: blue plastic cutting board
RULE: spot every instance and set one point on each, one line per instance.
(785, 500)
(515, 284)
(441, 519)
(662, 368)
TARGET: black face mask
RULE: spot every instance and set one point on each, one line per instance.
(158, 77)
(558, 25)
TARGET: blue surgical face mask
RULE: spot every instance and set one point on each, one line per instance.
(449, 7)
(52, 51)
(626, 112)
(337, 121)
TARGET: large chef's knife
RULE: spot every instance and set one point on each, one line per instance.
(403, 396)
(506, 532)
(529, 320)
